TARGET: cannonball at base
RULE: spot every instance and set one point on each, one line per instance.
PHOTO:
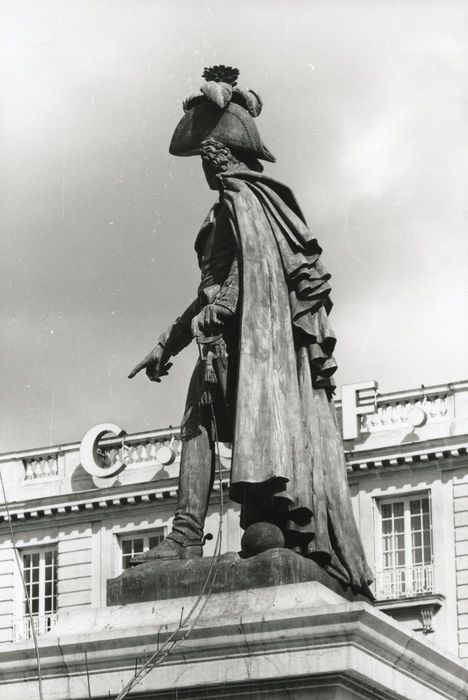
(259, 537)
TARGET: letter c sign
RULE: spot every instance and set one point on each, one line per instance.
(89, 456)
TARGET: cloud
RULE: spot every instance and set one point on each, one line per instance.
(99, 218)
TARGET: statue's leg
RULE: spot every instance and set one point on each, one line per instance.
(197, 465)
(195, 483)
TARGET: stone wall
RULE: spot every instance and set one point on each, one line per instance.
(74, 567)
(460, 506)
(8, 570)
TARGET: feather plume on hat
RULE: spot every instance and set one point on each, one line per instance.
(221, 88)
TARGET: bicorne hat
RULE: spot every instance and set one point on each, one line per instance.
(221, 111)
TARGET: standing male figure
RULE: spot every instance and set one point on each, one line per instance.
(264, 300)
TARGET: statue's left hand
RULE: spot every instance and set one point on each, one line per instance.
(210, 320)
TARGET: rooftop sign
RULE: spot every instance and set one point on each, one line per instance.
(90, 458)
(356, 400)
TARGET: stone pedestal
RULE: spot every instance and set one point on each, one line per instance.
(162, 579)
(294, 641)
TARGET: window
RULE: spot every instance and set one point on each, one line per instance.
(406, 548)
(137, 543)
(40, 577)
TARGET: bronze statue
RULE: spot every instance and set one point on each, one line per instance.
(262, 313)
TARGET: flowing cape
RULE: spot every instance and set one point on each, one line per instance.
(287, 444)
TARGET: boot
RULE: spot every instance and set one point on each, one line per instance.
(174, 546)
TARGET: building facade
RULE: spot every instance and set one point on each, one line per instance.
(73, 515)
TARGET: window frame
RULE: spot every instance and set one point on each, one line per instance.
(44, 619)
(405, 498)
(130, 535)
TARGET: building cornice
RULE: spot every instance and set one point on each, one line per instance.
(99, 499)
(447, 453)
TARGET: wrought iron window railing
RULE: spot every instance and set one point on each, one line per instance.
(404, 582)
(22, 629)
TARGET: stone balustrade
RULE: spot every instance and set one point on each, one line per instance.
(428, 406)
(132, 453)
(40, 467)
(160, 446)
(402, 413)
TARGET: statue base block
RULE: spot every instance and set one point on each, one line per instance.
(295, 641)
(162, 579)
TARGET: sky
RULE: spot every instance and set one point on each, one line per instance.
(366, 110)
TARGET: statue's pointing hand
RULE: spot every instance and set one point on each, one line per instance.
(156, 364)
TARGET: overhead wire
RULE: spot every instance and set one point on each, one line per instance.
(180, 634)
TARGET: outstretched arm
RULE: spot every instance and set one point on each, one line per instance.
(170, 343)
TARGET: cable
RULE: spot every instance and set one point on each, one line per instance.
(157, 658)
(26, 594)
(174, 639)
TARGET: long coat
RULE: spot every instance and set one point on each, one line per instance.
(288, 458)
